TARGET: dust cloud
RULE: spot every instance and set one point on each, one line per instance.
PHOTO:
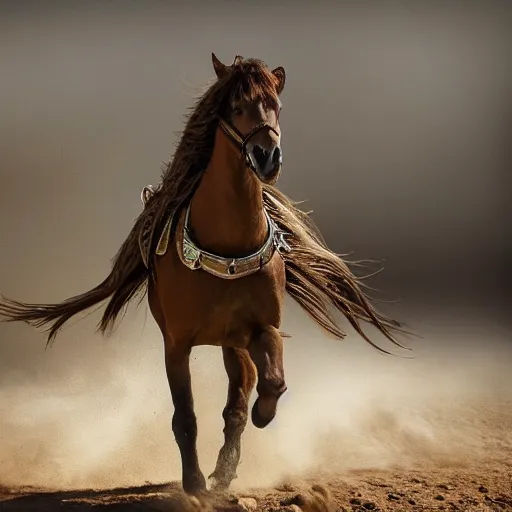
(105, 421)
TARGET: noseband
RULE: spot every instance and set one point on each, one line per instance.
(241, 141)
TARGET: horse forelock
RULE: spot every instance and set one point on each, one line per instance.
(253, 81)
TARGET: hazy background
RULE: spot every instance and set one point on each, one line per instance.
(396, 129)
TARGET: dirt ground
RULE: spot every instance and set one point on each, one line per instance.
(471, 482)
(468, 469)
(487, 487)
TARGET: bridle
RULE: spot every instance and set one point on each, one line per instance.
(241, 140)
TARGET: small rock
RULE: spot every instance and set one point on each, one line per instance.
(443, 486)
(248, 504)
(412, 502)
(483, 489)
(369, 505)
(393, 497)
(285, 487)
(355, 501)
(298, 499)
(439, 497)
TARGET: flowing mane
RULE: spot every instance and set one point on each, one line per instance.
(218, 192)
(318, 279)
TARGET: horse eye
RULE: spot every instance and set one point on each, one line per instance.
(237, 111)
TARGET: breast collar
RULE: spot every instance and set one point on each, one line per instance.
(196, 258)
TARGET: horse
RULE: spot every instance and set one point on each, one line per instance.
(215, 249)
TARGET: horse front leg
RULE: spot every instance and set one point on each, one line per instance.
(184, 423)
(266, 351)
(242, 377)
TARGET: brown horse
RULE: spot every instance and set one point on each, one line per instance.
(216, 247)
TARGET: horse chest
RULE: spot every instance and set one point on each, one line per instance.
(229, 316)
(208, 310)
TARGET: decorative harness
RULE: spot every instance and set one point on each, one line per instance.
(195, 258)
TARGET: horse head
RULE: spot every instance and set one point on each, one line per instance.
(250, 115)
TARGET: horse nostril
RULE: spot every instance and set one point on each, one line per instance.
(261, 155)
(277, 156)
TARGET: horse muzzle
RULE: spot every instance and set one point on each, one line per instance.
(265, 162)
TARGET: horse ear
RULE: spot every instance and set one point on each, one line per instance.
(281, 76)
(220, 69)
(238, 60)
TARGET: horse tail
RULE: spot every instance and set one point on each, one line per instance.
(127, 278)
(320, 281)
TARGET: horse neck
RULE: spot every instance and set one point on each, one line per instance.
(227, 216)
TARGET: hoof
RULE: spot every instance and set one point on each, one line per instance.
(195, 485)
(258, 420)
(219, 483)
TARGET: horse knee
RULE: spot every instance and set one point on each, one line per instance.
(272, 386)
(266, 351)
